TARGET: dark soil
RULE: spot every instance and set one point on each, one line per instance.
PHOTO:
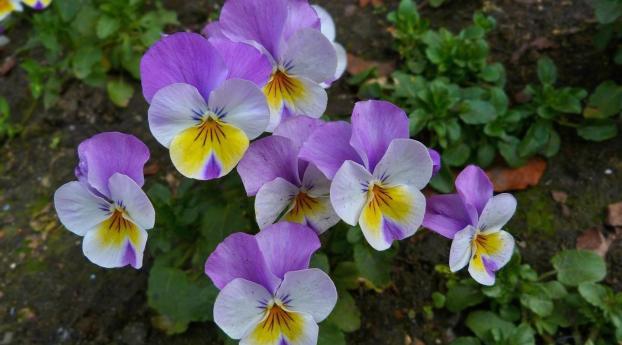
(50, 294)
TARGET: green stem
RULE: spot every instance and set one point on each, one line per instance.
(547, 275)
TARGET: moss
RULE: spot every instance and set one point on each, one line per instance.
(539, 216)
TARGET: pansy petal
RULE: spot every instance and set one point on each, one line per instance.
(497, 212)
(243, 61)
(173, 109)
(284, 328)
(78, 209)
(239, 256)
(348, 191)
(272, 200)
(448, 214)
(436, 161)
(309, 54)
(300, 16)
(115, 243)
(124, 191)
(328, 147)
(262, 21)
(209, 150)
(182, 58)
(287, 247)
(240, 306)
(474, 187)
(342, 61)
(326, 22)
(406, 162)
(391, 214)
(267, 159)
(105, 154)
(37, 4)
(493, 251)
(213, 30)
(375, 124)
(460, 252)
(308, 291)
(298, 129)
(242, 104)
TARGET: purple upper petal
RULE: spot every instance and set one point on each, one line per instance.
(474, 187)
(239, 256)
(447, 214)
(301, 15)
(262, 21)
(298, 129)
(374, 125)
(287, 247)
(436, 161)
(243, 61)
(267, 159)
(105, 154)
(182, 58)
(328, 147)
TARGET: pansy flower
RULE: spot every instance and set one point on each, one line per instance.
(107, 205)
(9, 6)
(377, 171)
(268, 294)
(205, 105)
(474, 219)
(37, 4)
(302, 57)
(287, 188)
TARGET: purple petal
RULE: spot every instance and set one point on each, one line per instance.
(182, 58)
(298, 129)
(213, 30)
(328, 147)
(287, 247)
(301, 15)
(243, 61)
(448, 214)
(239, 256)
(261, 21)
(374, 125)
(436, 161)
(267, 159)
(474, 187)
(105, 154)
(392, 231)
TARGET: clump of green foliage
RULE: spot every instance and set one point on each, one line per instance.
(457, 97)
(565, 306)
(609, 16)
(97, 42)
(7, 129)
(193, 218)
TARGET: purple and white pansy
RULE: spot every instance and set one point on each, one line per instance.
(205, 101)
(377, 171)
(302, 57)
(285, 187)
(268, 294)
(474, 219)
(107, 205)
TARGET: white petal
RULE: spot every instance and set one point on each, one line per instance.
(173, 109)
(315, 182)
(244, 104)
(406, 162)
(137, 205)
(327, 25)
(482, 276)
(108, 248)
(309, 291)
(78, 209)
(311, 55)
(301, 329)
(461, 248)
(312, 102)
(497, 212)
(239, 307)
(272, 199)
(348, 191)
(342, 60)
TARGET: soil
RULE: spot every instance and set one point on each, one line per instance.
(50, 294)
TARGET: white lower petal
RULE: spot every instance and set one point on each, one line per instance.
(348, 191)
(460, 252)
(272, 199)
(109, 247)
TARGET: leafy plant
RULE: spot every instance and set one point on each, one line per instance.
(97, 42)
(524, 307)
(609, 14)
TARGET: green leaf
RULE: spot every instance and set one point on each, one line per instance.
(373, 266)
(522, 335)
(330, 335)
(493, 73)
(84, 60)
(552, 147)
(443, 181)
(575, 267)
(320, 260)
(598, 132)
(605, 102)
(465, 341)
(483, 323)
(120, 92)
(107, 26)
(485, 155)
(476, 112)
(594, 294)
(182, 299)
(462, 296)
(346, 275)
(608, 11)
(438, 300)
(547, 71)
(457, 155)
(554, 289)
(346, 315)
(436, 3)
(538, 302)
(535, 139)
(509, 152)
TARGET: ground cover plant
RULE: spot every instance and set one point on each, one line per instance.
(253, 198)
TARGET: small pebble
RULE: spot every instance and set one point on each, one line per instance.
(608, 171)
(92, 277)
(6, 208)
(12, 265)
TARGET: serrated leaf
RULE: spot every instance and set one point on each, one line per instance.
(575, 267)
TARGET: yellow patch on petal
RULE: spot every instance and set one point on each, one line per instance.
(484, 246)
(209, 150)
(393, 203)
(303, 207)
(283, 88)
(6, 7)
(115, 230)
(278, 323)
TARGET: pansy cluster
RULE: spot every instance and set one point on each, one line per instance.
(263, 68)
